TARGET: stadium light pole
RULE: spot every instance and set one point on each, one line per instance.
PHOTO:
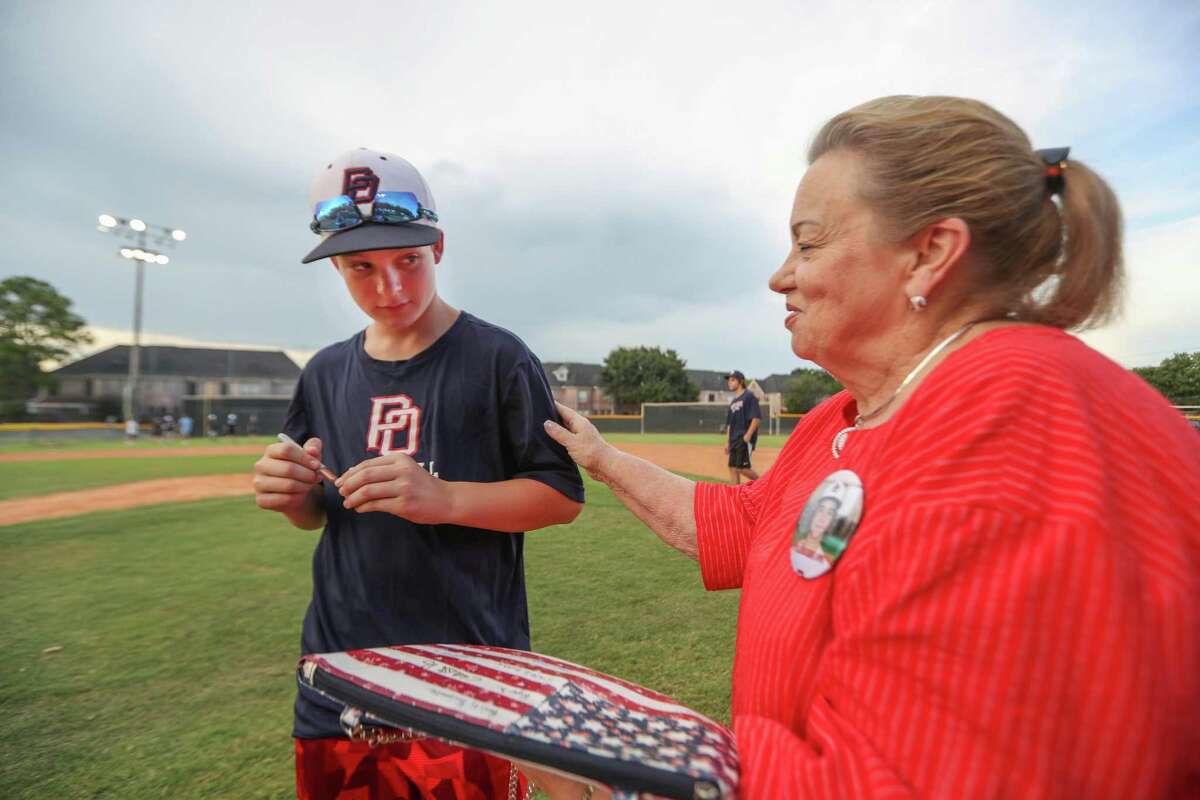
(140, 231)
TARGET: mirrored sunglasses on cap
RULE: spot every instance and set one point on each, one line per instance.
(390, 208)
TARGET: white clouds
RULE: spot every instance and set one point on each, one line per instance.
(605, 171)
(743, 333)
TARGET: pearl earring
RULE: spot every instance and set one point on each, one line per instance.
(918, 302)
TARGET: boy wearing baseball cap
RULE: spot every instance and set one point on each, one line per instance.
(741, 424)
(432, 418)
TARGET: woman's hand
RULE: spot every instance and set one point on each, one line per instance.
(583, 442)
(661, 499)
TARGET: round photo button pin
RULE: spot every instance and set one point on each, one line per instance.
(826, 524)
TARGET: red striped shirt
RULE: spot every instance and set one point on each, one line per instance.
(1018, 613)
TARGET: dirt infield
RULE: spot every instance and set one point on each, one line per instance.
(122, 495)
(694, 459)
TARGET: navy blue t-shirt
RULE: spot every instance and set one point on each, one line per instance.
(469, 408)
(742, 409)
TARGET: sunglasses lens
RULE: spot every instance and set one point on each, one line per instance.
(336, 214)
(395, 207)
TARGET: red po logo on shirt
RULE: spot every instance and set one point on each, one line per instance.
(395, 425)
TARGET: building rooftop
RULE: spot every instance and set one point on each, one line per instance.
(571, 373)
(708, 380)
(187, 362)
(775, 382)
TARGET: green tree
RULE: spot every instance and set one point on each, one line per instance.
(636, 375)
(807, 388)
(36, 324)
(1177, 377)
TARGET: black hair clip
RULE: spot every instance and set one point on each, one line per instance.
(1055, 159)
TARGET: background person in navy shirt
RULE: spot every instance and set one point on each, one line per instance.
(432, 418)
(741, 425)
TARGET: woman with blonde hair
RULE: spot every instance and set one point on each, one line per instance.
(1016, 612)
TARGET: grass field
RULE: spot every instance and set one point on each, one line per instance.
(179, 628)
(26, 478)
(144, 443)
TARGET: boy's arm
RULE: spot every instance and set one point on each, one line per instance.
(398, 485)
(520, 504)
(310, 515)
(755, 417)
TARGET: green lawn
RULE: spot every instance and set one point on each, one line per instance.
(179, 628)
(21, 445)
(24, 478)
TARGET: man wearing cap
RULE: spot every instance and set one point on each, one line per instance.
(741, 424)
(432, 418)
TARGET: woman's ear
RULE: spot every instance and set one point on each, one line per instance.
(940, 248)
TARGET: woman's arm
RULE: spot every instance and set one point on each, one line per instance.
(661, 499)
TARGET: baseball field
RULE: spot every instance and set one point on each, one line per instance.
(151, 628)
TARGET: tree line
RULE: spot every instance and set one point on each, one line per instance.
(37, 325)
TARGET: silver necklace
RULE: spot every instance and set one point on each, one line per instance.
(839, 441)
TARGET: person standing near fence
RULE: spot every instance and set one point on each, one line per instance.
(741, 425)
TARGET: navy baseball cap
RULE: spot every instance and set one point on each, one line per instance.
(737, 373)
(361, 175)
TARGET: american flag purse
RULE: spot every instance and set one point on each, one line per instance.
(535, 709)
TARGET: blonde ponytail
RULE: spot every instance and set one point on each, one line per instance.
(930, 158)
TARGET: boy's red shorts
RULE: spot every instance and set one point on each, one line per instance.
(350, 770)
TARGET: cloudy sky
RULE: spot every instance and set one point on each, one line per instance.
(608, 174)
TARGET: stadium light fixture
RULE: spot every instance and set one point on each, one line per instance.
(139, 231)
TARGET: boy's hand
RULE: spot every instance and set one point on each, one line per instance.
(398, 485)
(285, 475)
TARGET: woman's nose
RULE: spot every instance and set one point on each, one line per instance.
(784, 279)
